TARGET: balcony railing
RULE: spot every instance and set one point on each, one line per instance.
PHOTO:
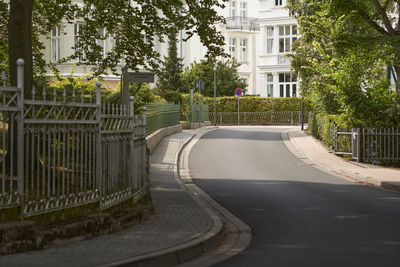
(242, 23)
(283, 60)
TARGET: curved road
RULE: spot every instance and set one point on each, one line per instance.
(299, 215)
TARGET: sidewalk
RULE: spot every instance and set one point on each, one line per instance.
(306, 146)
(180, 229)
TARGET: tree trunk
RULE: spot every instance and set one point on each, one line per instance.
(20, 41)
(397, 71)
(20, 46)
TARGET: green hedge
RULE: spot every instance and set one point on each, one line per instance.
(324, 127)
(251, 104)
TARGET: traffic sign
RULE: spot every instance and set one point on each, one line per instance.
(199, 84)
(238, 92)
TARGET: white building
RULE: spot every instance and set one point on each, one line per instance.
(240, 33)
(257, 33)
(278, 32)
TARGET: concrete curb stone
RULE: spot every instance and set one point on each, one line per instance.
(291, 143)
(186, 251)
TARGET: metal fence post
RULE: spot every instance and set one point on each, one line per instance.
(199, 116)
(132, 142)
(99, 143)
(144, 120)
(20, 133)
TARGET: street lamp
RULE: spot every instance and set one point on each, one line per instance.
(215, 93)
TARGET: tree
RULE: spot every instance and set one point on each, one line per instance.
(170, 75)
(369, 22)
(136, 26)
(341, 59)
(227, 77)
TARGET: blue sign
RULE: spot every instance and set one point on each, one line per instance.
(238, 92)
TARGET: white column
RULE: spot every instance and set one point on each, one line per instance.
(276, 84)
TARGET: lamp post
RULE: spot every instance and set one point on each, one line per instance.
(215, 93)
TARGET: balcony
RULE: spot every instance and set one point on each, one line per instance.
(242, 23)
(283, 60)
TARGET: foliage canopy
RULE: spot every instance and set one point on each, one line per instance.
(342, 57)
(135, 25)
(227, 77)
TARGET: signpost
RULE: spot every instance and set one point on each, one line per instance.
(238, 92)
(130, 77)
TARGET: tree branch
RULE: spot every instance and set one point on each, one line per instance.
(385, 5)
(372, 23)
(385, 18)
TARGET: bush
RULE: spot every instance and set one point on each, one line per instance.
(250, 104)
(173, 97)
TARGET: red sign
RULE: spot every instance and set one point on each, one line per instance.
(238, 92)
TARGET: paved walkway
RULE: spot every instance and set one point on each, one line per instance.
(312, 149)
(178, 219)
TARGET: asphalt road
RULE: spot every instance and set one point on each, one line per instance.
(299, 215)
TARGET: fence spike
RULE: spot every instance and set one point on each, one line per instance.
(64, 96)
(4, 77)
(33, 92)
(44, 94)
(73, 94)
(82, 96)
(90, 97)
(54, 94)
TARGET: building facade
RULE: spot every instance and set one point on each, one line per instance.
(259, 34)
(240, 33)
(278, 31)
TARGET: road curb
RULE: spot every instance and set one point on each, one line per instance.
(238, 235)
(188, 250)
(299, 152)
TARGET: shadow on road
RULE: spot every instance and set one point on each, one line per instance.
(312, 224)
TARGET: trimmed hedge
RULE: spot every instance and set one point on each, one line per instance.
(251, 104)
(324, 127)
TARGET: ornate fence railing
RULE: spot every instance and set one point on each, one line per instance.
(259, 118)
(66, 151)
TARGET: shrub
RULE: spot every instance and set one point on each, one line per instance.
(250, 104)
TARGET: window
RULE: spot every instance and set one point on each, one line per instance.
(55, 43)
(243, 9)
(232, 8)
(232, 47)
(287, 35)
(270, 40)
(270, 85)
(287, 84)
(101, 42)
(77, 36)
(111, 39)
(243, 49)
(278, 2)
